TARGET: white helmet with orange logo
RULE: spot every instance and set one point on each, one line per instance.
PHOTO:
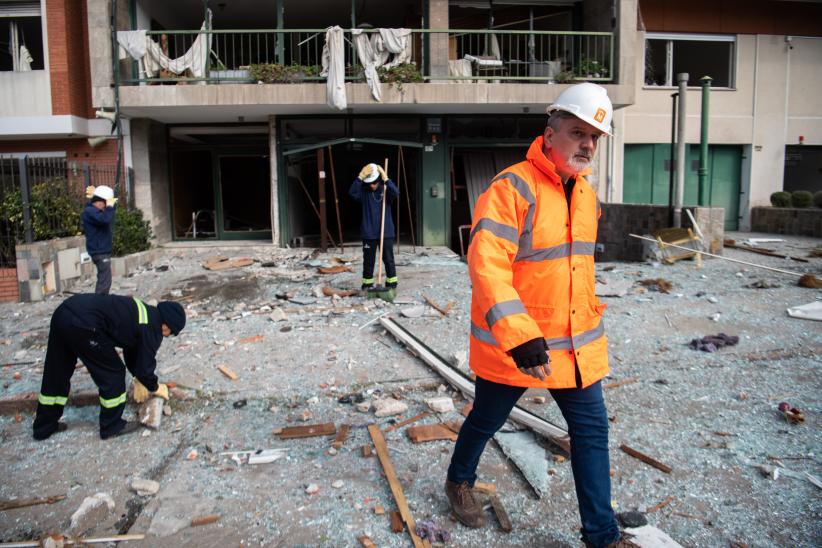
(588, 102)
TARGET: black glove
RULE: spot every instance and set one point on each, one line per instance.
(530, 354)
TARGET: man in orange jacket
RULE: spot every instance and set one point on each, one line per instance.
(535, 320)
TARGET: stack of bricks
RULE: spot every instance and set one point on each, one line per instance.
(787, 220)
(8, 285)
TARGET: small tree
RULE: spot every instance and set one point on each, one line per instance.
(781, 199)
(801, 198)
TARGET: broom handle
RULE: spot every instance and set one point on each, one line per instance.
(382, 227)
(797, 274)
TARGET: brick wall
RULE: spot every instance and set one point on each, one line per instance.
(787, 220)
(67, 26)
(74, 149)
(8, 285)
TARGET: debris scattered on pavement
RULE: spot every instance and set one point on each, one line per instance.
(429, 530)
(712, 343)
(810, 311)
(430, 432)
(792, 414)
(308, 431)
(646, 459)
(227, 372)
(93, 511)
(22, 503)
(657, 284)
(145, 487)
(204, 520)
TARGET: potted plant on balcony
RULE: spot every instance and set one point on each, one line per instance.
(274, 73)
(591, 68)
(405, 73)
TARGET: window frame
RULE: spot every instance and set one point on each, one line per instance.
(671, 37)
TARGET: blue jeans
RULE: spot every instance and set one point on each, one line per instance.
(584, 411)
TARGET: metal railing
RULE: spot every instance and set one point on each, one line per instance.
(295, 55)
(42, 198)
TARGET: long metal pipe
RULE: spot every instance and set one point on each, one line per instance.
(682, 80)
(703, 139)
(672, 160)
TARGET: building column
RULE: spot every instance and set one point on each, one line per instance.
(438, 41)
(149, 152)
(275, 195)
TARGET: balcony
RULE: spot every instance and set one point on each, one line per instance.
(288, 56)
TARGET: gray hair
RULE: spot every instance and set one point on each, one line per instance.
(556, 118)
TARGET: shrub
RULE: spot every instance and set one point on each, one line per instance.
(817, 199)
(399, 75)
(131, 232)
(781, 199)
(272, 73)
(55, 213)
(801, 198)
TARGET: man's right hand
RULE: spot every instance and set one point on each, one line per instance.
(532, 358)
(140, 392)
(90, 191)
(365, 172)
(111, 202)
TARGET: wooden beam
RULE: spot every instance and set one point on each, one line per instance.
(308, 431)
(342, 434)
(646, 459)
(22, 503)
(502, 515)
(430, 432)
(415, 418)
(459, 381)
(394, 484)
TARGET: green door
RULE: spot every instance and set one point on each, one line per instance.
(646, 177)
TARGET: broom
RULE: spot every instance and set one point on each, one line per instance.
(379, 291)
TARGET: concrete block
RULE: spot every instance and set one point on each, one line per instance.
(68, 263)
(35, 290)
(22, 271)
(91, 513)
(118, 267)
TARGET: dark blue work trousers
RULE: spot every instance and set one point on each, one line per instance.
(584, 411)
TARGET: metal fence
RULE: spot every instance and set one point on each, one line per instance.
(296, 54)
(42, 198)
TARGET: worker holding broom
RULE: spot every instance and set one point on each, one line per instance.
(535, 319)
(375, 192)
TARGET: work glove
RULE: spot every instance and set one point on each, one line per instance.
(532, 358)
(365, 172)
(382, 174)
(90, 191)
(141, 393)
(111, 202)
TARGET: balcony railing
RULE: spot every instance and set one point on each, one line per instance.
(295, 55)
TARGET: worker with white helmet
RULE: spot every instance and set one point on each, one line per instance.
(98, 224)
(535, 318)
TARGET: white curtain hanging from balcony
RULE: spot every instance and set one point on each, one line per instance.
(152, 58)
(374, 52)
(333, 61)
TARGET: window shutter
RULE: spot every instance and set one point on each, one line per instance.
(17, 8)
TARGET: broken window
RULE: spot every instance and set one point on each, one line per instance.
(21, 37)
(667, 55)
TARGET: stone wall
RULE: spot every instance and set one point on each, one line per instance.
(619, 220)
(787, 220)
(54, 266)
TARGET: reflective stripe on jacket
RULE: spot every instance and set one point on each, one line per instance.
(532, 273)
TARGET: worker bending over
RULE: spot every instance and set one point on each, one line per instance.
(535, 320)
(90, 327)
(98, 224)
(368, 190)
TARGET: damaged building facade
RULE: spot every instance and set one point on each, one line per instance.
(232, 132)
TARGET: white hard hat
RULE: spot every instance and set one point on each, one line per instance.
(104, 192)
(588, 102)
(374, 174)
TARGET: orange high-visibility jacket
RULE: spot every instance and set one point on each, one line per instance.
(532, 272)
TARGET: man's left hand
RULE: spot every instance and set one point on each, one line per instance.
(383, 176)
(111, 202)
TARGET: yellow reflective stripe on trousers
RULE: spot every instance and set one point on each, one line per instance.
(113, 402)
(52, 400)
(142, 313)
(392, 280)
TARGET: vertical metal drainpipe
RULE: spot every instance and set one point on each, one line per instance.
(682, 81)
(115, 65)
(672, 164)
(703, 139)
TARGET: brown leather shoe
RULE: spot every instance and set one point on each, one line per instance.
(465, 505)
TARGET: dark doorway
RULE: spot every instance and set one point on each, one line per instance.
(342, 164)
(192, 194)
(245, 194)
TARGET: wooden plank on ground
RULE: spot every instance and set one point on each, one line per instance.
(394, 484)
(502, 515)
(415, 418)
(646, 459)
(227, 372)
(308, 431)
(22, 503)
(204, 520)
(519, 415)
(396, 522)
(366, 542)
(342, 434)
(430, 432)
(617, 384)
